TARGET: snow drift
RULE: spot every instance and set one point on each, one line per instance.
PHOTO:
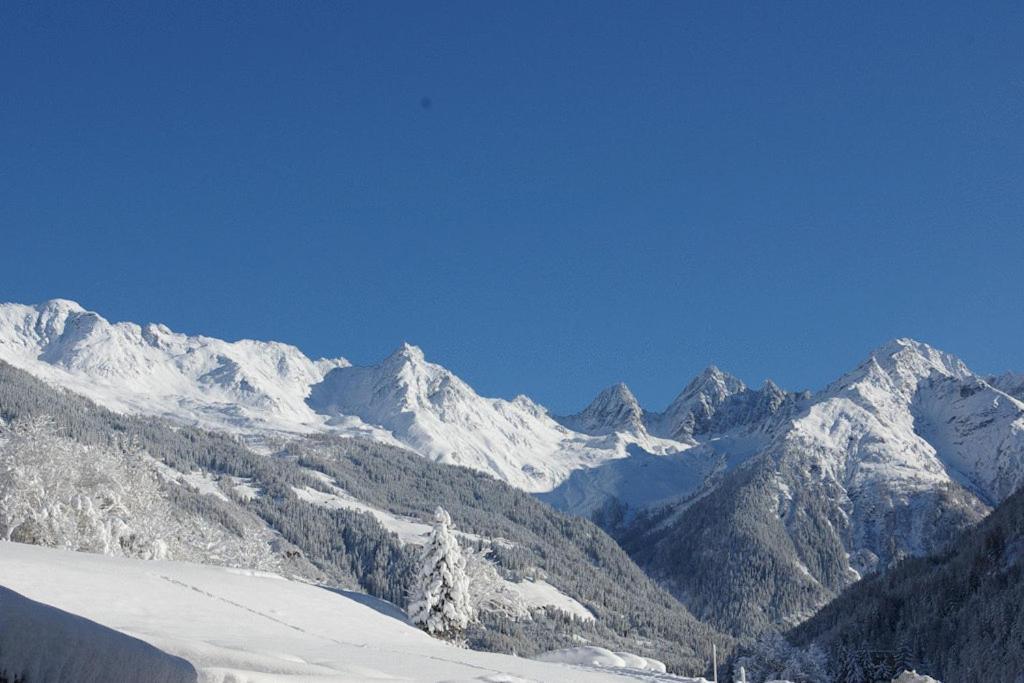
(231, 625)
(42, 644)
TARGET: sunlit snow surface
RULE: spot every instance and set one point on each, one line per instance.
(251, 627)
(264, 389)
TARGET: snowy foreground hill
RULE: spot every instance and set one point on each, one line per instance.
(220, 625)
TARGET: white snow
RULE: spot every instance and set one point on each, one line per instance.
(408, 530)
(244, 488)
(260, 389)
(428, 408)
(914, 677)
(540, 593)
(38, 642)
(150, 369)
(205, 483)
(905, 424)
(599, 657)
(240, 628)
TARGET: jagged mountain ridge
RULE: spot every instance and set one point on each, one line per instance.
(433, 412)
(266, 387)
(150, 369)
(615, 409)
(893, 459)
(259, 388)
(1010, 382)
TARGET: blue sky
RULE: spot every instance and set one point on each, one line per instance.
(547, 197)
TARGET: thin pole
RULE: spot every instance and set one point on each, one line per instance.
(714, 659)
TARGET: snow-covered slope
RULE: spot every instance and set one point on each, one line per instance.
(42, 643)
(533, 593)
(150, 369)
(231, 625)
(429, 409)
(260, 388)
(1011, 383)
(912, 417)
(721, 421)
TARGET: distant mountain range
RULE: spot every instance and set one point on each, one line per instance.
(753, 506)
(261, 389)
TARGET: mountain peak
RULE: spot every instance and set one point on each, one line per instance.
(406, 352)
(53, 317)
(620, 391)
(897, 368)
(904, 358)
(901, 344)
(712, 381)
(615, 409)
(711, 371)
(60, 306)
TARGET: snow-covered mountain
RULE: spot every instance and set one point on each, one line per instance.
(150, 369)
(267, 388)
(890, 460)
(693, 409)
(1010, 382)
(614, 410)
(955, 613)
(343, 512)
(427, 408)
(931, 419)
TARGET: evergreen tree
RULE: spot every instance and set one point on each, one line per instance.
(855, 668)
(905, 660)
(441, 604)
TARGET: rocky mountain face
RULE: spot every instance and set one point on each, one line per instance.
(954, 614)
(614, 410)
(1010, 382)
(893, 459)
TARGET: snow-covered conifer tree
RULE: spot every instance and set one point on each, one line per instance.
(488, 592)
(440, 604)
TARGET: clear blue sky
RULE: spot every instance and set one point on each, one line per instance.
(547, 197)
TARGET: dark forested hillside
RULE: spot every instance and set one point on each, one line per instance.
(766, 545)
(957, 615)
